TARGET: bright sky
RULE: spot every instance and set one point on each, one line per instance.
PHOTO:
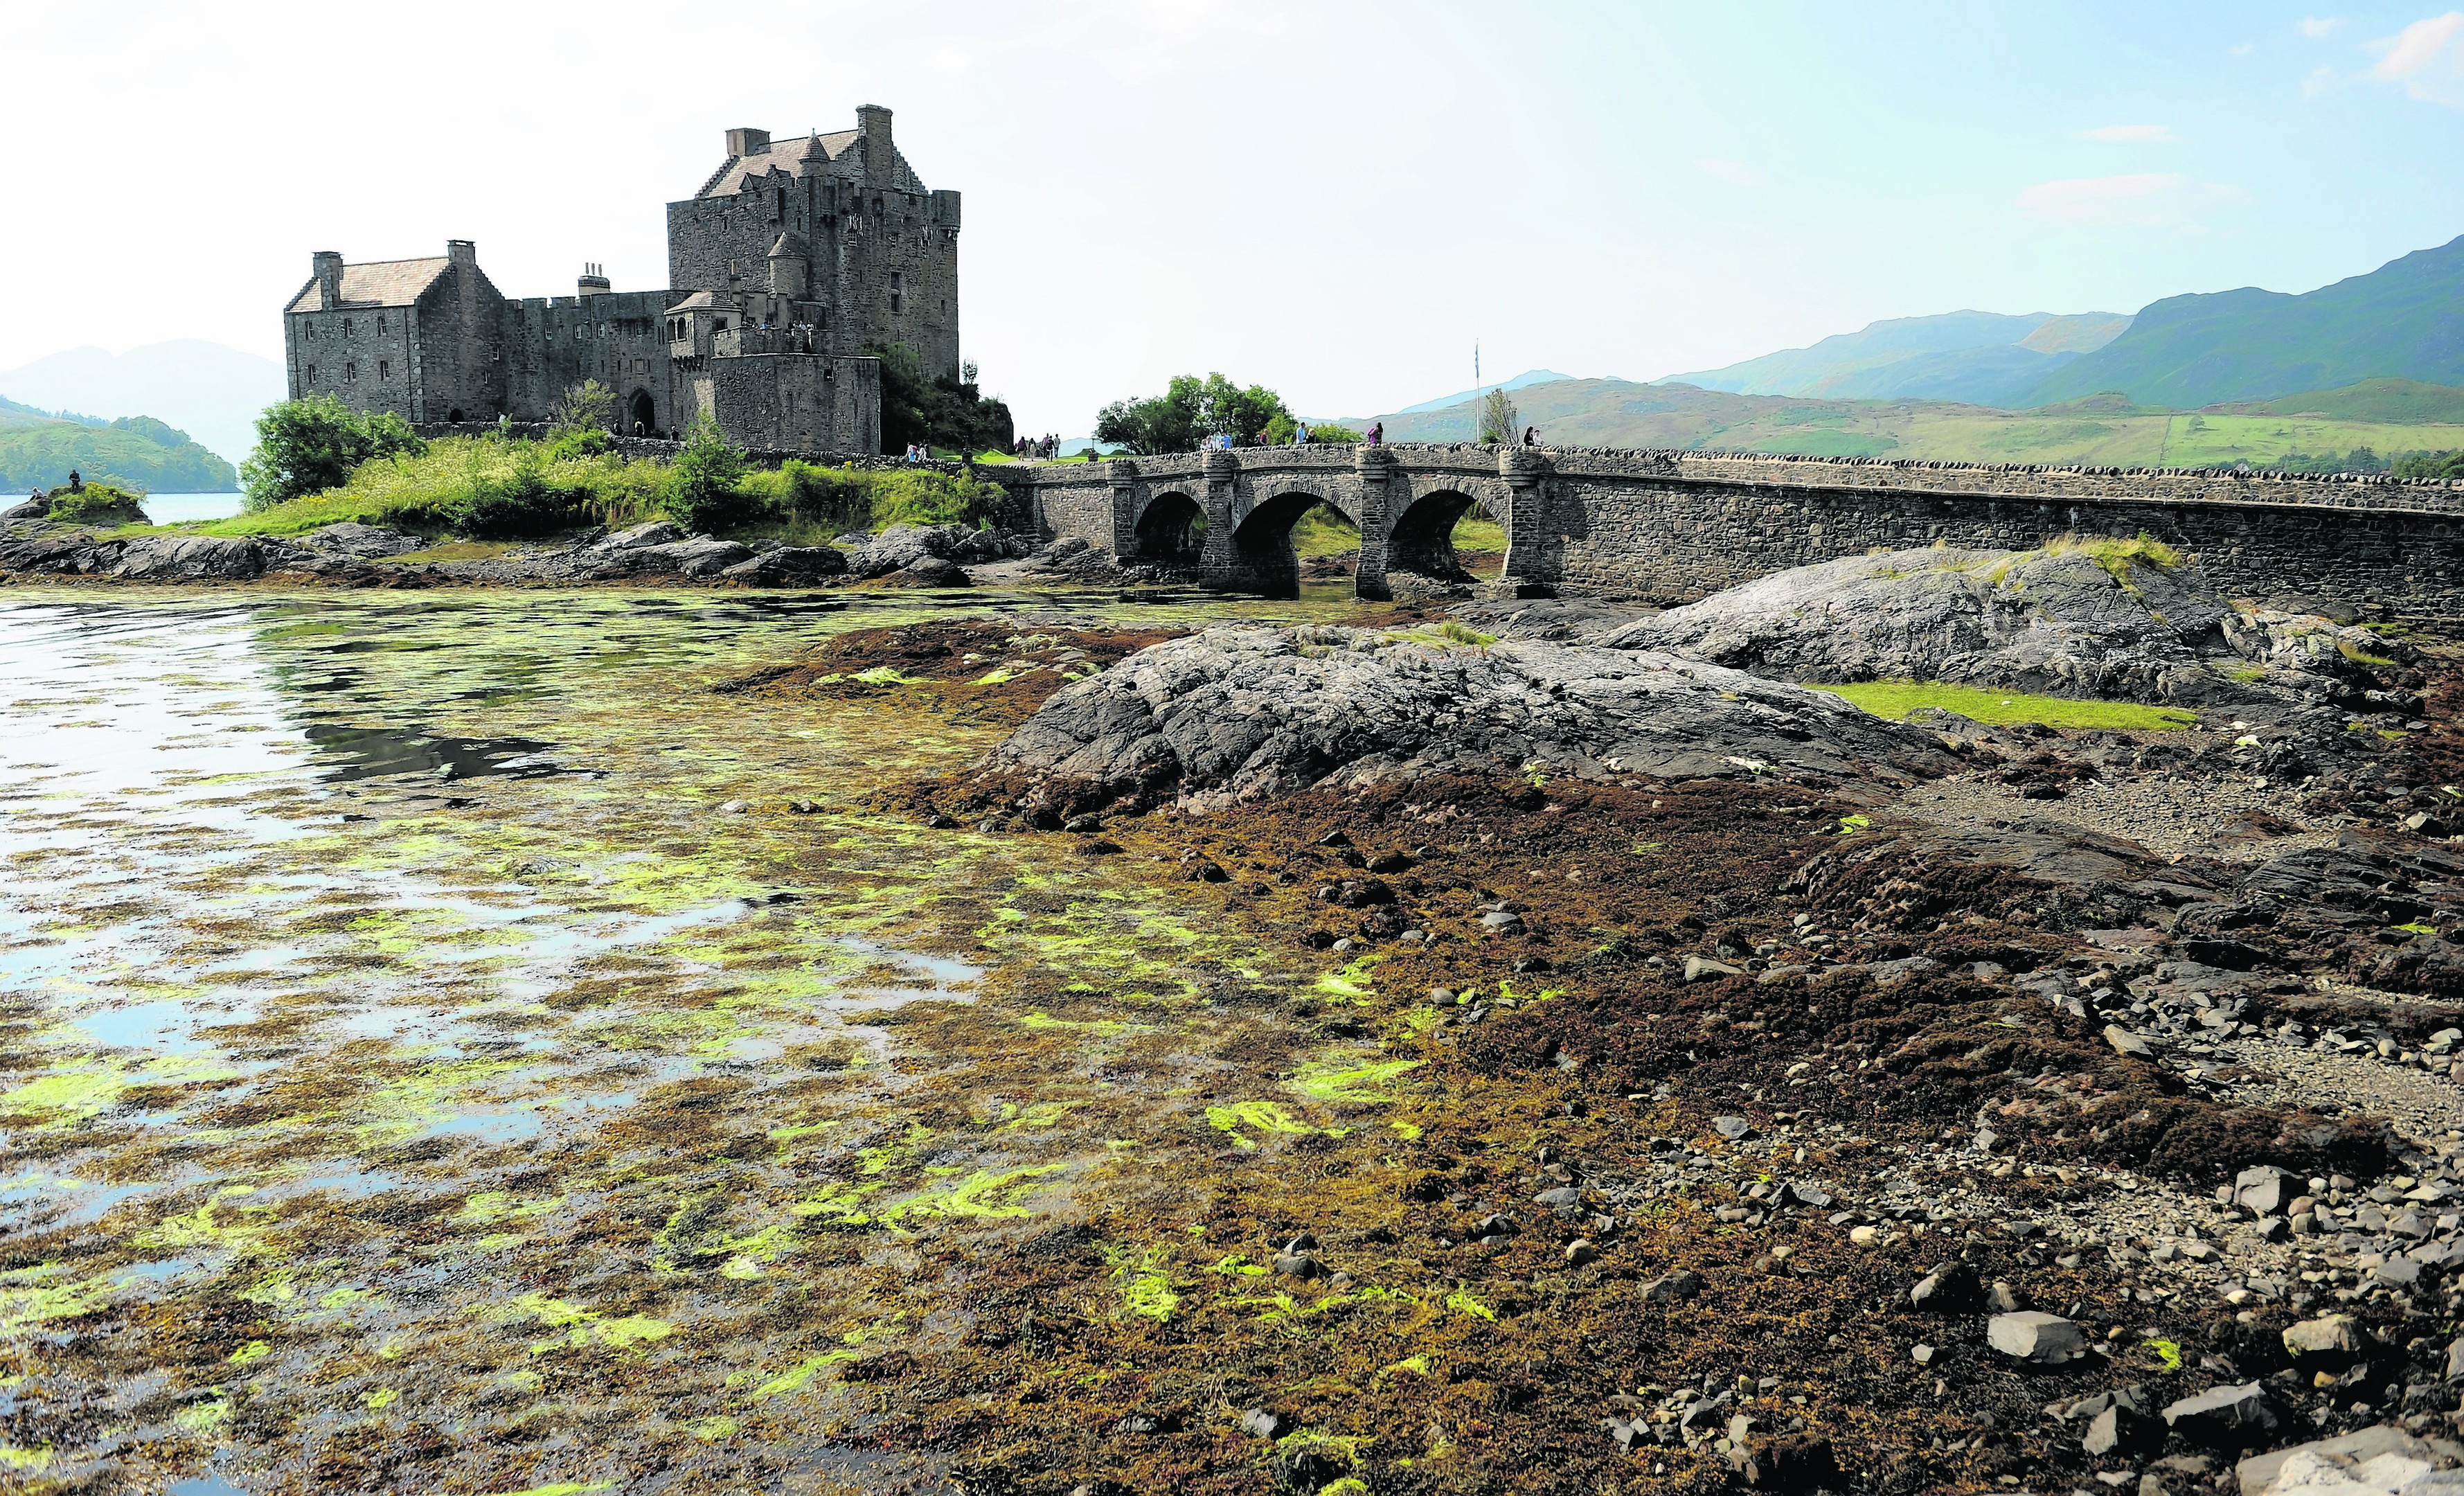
(1332, 197)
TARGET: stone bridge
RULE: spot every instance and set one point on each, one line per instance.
(1670, 527)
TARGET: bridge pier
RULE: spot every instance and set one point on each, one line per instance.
(1372, 468)
(1529, 567)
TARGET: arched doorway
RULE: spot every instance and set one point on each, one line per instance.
(454, 415)
(1172, 532)
(641, 416)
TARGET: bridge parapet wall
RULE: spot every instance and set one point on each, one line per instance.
(1675, 526)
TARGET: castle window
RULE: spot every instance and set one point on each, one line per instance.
(346, 327)
(894, 299)
(379, 324)
(312, 373)
(384, 369)
(782, 201)
(350, 371)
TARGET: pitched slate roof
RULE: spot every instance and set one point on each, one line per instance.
(798, 156)
(379, 283)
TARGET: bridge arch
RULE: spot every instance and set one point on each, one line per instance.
(1169, 530)
(1263, 555)
(1422, 540)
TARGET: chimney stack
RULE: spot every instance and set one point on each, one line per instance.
(744, 141)
(462, 253)
(592, 282)
(872, 121)
(329, 277)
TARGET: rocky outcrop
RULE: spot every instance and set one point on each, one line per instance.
(900, 547)
(787, 566)
(1249, 714)
(189, 558)
(365, 541)
(2096, 621)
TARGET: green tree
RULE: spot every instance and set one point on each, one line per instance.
(952, 414)
(701, 490)
(588, 407)
(309, 446)
(1189, 410)
(2431, 464)
(1498, 419)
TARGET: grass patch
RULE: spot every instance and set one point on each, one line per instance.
(2117, 555)
(1895, 699)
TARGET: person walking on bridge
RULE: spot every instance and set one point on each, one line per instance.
(1530, 436)
(1378, 435)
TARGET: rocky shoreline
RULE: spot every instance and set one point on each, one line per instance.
(658, 551)
(2064, 1159)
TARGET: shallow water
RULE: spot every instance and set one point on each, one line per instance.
(388, 999)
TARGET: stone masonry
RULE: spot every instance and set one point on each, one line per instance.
(1671, 527)
(792, 260)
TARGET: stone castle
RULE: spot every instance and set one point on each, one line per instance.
(792, 260)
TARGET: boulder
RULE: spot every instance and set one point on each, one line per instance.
(1670, 1287)
(1244, 714)
(2125, 1043)
(656, 532)
(2035, 1338)
(189, 558)
(2329, 1340)
(1702, 968)
(699, 555)
(2122, 1427)
(2264, 1189)
(2067, 622)
(1948, 1289)
(2381, 1462)
(365, 541)
(2225, 1418)
(27, 509)
(789, 565)
(929, 571)
(901, 546)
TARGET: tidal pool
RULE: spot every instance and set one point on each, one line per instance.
(413, 1077)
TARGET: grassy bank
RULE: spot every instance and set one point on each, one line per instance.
(483, 488)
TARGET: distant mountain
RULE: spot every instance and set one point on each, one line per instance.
(1981, 358)
(1522, 381)
(2403, 320)
(200, 387)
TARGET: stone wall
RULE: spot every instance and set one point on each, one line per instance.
(1671, 527)
(552, 343)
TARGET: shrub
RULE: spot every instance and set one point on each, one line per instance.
(702, 481)
(95, 504)
(572, 445)
(307, 445)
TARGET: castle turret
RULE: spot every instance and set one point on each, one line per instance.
(788, 263)
(872, 123)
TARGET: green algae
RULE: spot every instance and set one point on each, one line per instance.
(586, 1328)
(1258, 1117)
(34, 1461)
(1144, 1281)
(1354, 1085)
(31, 1296)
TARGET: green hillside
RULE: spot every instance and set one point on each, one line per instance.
(2402, 401)
(137, 452)
(2402, 321)
(2104, 430)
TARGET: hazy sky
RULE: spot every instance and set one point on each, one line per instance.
(1336, 198)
